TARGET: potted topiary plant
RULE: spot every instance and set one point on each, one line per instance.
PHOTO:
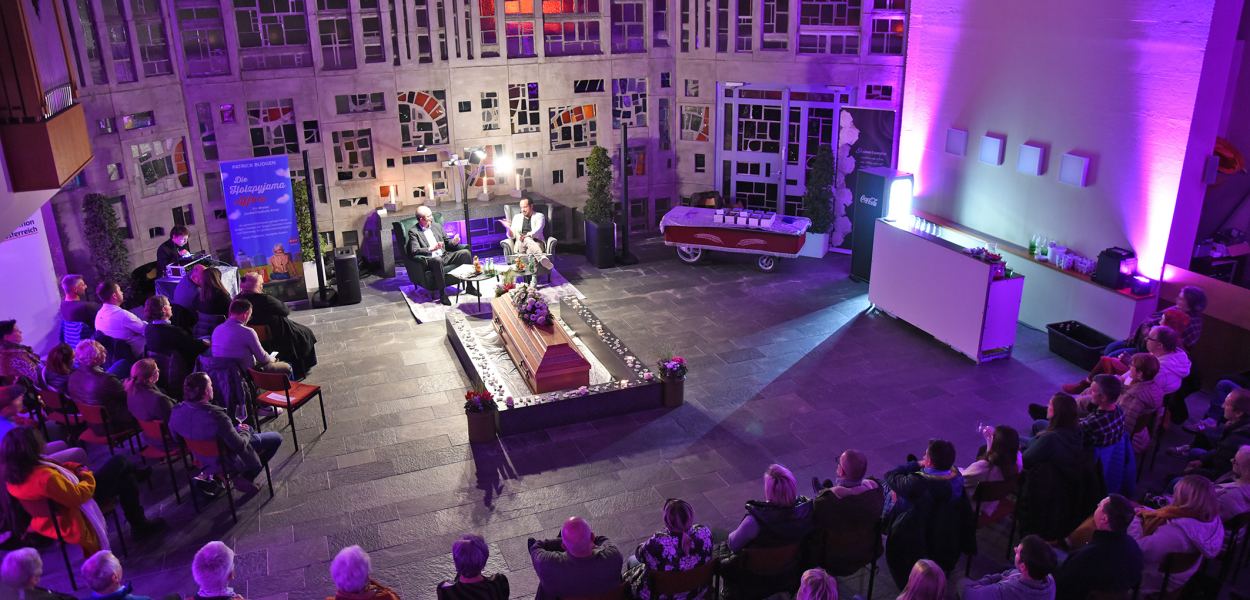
(817, 203)
(600, 231)
(482, 415)
(104, 238)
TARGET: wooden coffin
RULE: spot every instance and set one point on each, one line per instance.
(545, 356)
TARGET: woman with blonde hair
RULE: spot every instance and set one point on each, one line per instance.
(817, 585)
(90, 384)
(926, 582)
(1191, 523)
(782, 518)
(145, 400)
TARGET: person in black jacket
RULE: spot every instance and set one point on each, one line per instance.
(428, 243)
(1112, 562)
(295, 343)
(211, 303)
(164, 337)
(1219, 459)
(173, 249)
(928, 515)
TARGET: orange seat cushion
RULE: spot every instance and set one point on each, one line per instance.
(300, 393)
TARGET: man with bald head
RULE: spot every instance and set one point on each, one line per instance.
(428, 243)
(1234, 495)
(575, 564)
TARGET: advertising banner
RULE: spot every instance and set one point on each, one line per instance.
(260, 206)
(36, 301)
(865, 139)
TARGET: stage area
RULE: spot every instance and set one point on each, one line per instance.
(785, 367)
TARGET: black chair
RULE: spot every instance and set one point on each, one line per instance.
(1237, 547)
(1175, 563)
(993, 491)
(213, 449)
(48, 509)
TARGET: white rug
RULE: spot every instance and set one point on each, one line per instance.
(425, 306)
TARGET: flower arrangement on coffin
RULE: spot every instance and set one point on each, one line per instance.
(672, 368)
(530, 306)
(479, 400)
(504, 288)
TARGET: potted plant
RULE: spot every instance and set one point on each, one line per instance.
(817, 203)
(105, 240)
(482, 415)
(673, 375)
(600, 231)
(308, 253)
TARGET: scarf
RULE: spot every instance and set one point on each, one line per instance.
(90, 510)
(1152, 520)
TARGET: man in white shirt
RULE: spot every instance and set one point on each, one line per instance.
(117, 322)
(526, 229)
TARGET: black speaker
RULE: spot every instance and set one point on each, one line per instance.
(347, 275)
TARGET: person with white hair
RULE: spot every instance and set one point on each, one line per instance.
(350, 572)
(212, 569)
(469, 553)
(575, 564)
(91, 384)
(21, 571)
(103, 574)
(1234, 495)
(428, 243)
(816, 584)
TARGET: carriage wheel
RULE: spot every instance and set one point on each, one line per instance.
(767, 264)
(689, 255)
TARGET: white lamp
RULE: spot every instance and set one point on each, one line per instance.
(898, 203)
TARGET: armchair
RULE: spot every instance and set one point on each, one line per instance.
(418, 274)
(549, 243)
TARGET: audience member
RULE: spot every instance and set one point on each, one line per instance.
(928, 514)
(1030, 580)
(681, 546)
(575, 564)
(21, 571)
(350, 571)
(816, 584)
(197, 418)
(1191, 302)
(75, 306)
(999, 462)
(1142, 395)
(845, 515)
(144, 400)
(1218, 459)
(57, 367)
(117, 322)
(1164, 343)
(1234, 495)
(235, 340)
(1112, 560)
(185, 293)
(469, 554)
(18, 363)
(782, 518)
(10, 417)
(296, 343)
(89, 384)
(164, 337)
(103, 575)
(1191, 523)
(1061, 441)
(31, 477)
(1104, 426)
(926, 581)
(211, 303)
(213, 568)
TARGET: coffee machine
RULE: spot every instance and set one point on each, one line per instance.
(1115, 267)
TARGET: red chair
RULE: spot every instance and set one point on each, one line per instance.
(60, 408)
(167, 453)
(291, 395)
(97, 419)
(212, 451)
(672, 583)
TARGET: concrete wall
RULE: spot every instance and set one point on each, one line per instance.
(1115, 81)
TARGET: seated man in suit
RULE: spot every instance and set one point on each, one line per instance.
(526, 229)
(428, 242)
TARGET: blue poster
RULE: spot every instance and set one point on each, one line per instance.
(260, 207)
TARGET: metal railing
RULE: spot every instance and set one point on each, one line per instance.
(58, 99)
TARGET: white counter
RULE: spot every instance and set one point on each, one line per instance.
(931, 283)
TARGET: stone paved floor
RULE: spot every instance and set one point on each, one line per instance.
(785, 367)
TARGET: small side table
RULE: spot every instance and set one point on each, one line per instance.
(472, 286)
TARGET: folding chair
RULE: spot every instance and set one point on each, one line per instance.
(291, 395)
(49, 509)
(213, 451)
(97, 419)
(167, 453)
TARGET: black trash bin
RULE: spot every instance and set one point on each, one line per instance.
(1077, 342)
(347, 276)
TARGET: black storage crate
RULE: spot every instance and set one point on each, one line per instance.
(1081, 344)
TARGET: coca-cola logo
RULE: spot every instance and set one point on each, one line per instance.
(869, 200)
